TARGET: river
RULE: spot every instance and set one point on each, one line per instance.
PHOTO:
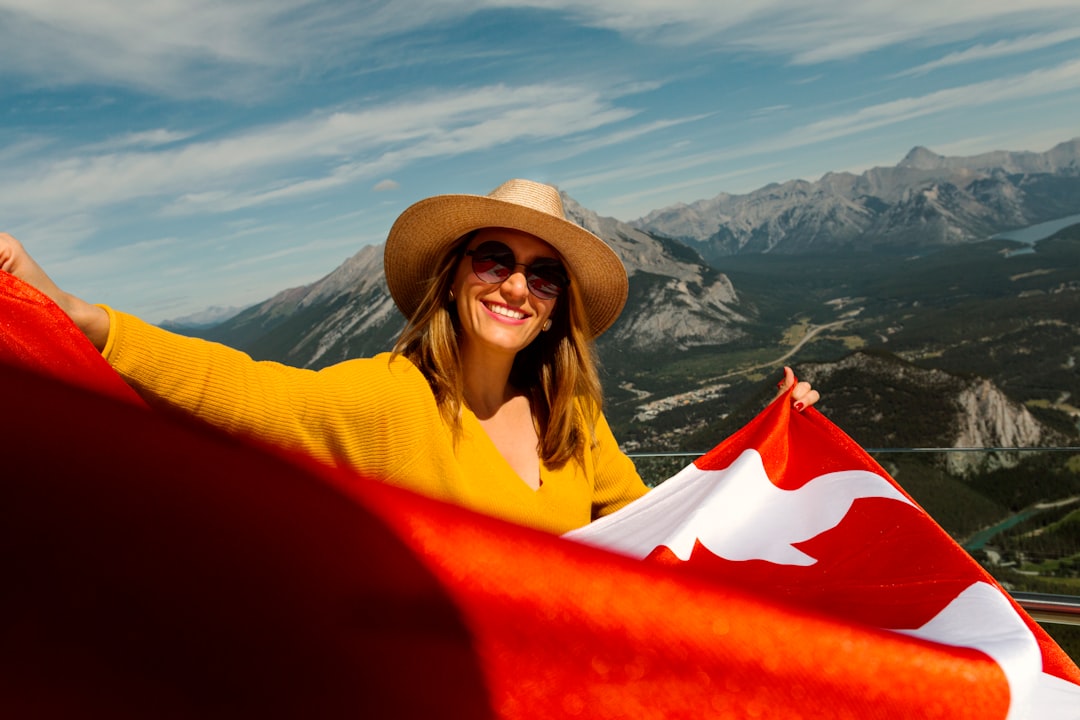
(1034, 233)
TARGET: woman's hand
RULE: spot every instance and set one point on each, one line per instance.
(92, 320)
(802, 397)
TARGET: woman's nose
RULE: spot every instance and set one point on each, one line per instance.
(516, 285)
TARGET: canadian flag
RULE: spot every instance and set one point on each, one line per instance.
(154, 567)
(791, 508)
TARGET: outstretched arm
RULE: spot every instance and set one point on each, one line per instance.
(92, 320)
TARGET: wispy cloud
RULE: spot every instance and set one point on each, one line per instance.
(698, 183)
(190, 48)
(1015, 87)
(1007, 89)
(320, 151)
(816, 32)
(1002, 48)
(143, 139)
(770, 110)
(234, 50)
(628, 135)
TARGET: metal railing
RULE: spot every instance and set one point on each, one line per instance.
(1047, 608)
(872, 451)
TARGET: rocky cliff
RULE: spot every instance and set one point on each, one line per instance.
(886, 402)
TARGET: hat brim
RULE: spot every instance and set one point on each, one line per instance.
(426, 231)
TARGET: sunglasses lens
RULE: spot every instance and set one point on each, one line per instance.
(494, 262)
(546, 279)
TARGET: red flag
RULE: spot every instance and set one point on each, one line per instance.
(791, 507)
(154, 567)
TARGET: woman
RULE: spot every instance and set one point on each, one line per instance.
(490, 398)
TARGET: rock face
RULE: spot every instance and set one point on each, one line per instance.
(887, 402)
(676, 300)
(925, 200)
(987, 418)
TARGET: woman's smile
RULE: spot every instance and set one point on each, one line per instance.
(504, 311)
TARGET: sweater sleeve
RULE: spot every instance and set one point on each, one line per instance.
(617, 482)
(344, 415)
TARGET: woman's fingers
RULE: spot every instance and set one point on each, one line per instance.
(802, 395)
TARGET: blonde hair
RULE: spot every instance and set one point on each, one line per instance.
(558, 370)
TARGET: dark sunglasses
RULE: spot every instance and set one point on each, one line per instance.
(493, 262)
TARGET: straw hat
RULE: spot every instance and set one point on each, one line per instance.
(423, 234)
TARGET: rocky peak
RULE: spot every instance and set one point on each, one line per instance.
(920, 158)
(680, 301)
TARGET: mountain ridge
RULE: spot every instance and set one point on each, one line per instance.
(924, 201)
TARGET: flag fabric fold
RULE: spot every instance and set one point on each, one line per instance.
(155, 567)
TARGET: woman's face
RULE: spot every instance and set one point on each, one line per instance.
(502, 316)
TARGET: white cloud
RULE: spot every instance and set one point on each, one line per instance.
(189, 48)
(1048, 81)
(1002, 48)
(770, 110)
(811, 32)
(699, 183)
(386, 185)
(145, 138)
(314, 153)
(243, 48)
(1016, 87)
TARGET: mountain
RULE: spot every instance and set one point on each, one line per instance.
(211, 316)
(677, 301)
(348, 313)
(926, 200)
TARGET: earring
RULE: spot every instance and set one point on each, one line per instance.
(547, 324)
(451, 296)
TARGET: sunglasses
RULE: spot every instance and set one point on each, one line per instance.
(493, 262)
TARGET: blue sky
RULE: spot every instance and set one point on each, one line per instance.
(165, 156)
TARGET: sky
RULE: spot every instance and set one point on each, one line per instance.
(166, 156)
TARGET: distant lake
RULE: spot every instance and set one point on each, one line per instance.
(1034, 233)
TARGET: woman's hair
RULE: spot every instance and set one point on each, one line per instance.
(558, 370)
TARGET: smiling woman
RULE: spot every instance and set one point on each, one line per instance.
(491, 397)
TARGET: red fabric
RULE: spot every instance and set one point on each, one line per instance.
(886, 565)
(36, 335)
(156, 568)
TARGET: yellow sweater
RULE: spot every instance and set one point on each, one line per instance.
(374, 416)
